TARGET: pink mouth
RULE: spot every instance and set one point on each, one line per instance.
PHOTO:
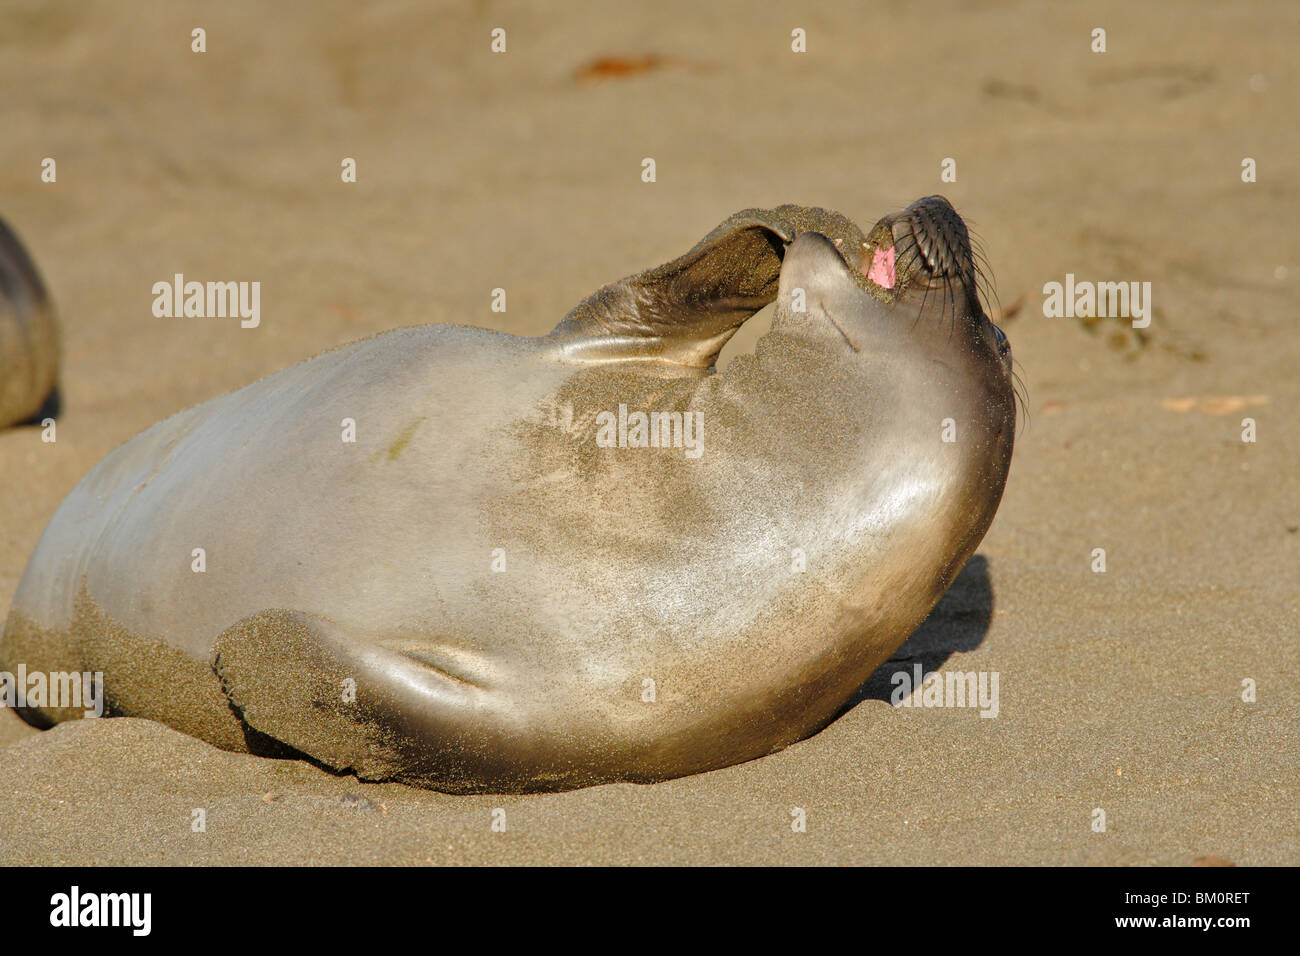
(882, 268)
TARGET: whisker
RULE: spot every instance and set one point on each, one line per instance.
(925, 297)
(1021, 393)
(949, 299)
(984, 275)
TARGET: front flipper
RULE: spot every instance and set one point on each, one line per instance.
(684, 311)
(358, 704)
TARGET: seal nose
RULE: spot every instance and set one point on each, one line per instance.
(939, 236)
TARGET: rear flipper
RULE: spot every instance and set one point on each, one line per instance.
(684, 311)
(357, 704)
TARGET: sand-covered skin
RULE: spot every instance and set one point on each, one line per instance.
(1119, 690)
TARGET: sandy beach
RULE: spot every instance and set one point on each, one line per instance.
(1120, 691)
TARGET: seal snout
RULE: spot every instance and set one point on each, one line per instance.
(938, 236)
(941, 236)
(927, 240)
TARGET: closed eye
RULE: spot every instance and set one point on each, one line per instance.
(1003, 345)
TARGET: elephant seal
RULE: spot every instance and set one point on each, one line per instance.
(479, 594)
(29, 335)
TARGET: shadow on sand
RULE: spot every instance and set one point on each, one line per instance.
(958, 623)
